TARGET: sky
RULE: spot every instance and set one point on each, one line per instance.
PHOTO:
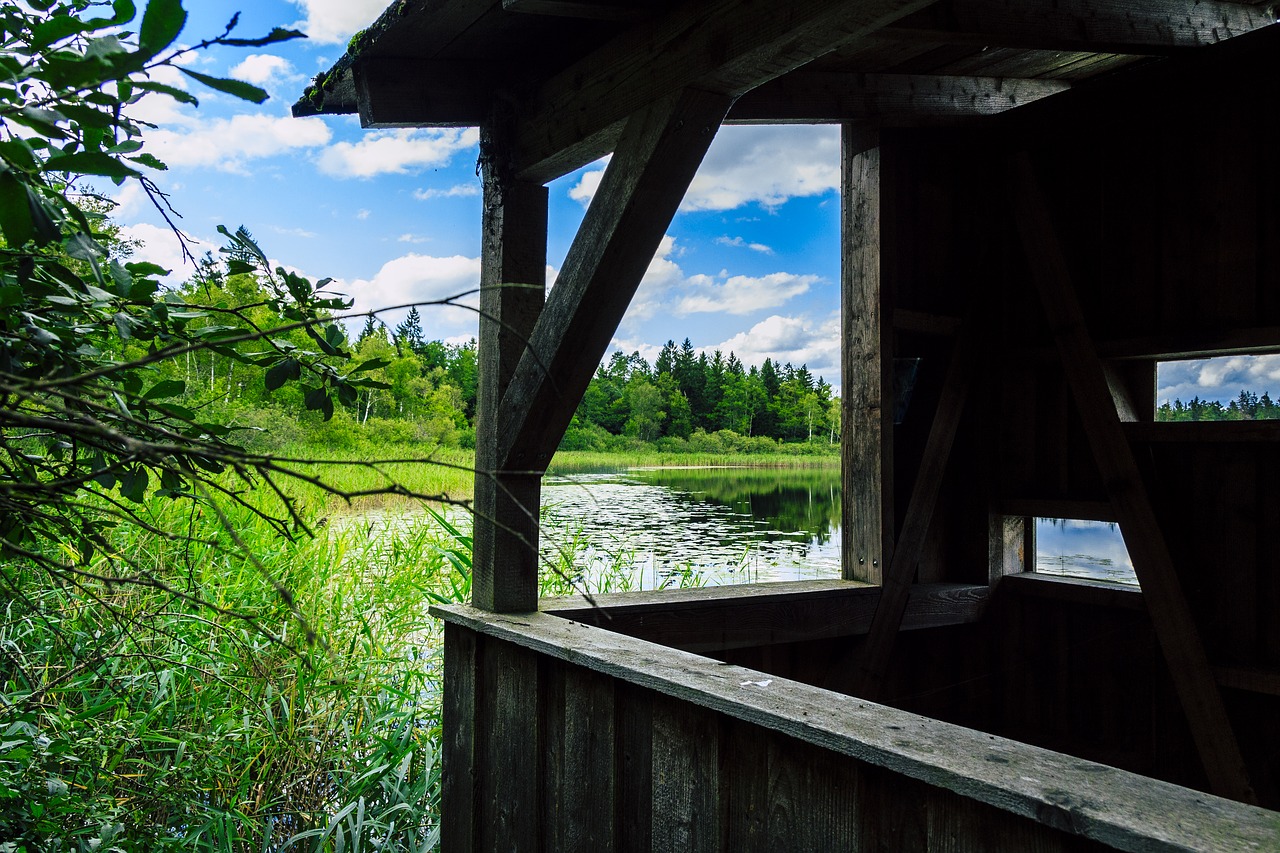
(750, 264)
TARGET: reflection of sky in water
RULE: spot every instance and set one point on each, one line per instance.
(654, 533)
(1082, 549)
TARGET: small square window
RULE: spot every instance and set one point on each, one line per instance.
(1076, 548)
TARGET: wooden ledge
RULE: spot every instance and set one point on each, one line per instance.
(731, 617)
(1110, 806)
(1073, 590)
(1204, 432)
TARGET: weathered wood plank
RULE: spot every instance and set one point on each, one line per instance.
(590, 769)
(623, 227)
(712, 620)
(594, 10)
(746, 775)
(458, 768)
(1179, 639)
(866, 360)
(686, 777)
(817, 97)
(873, 659)
(507, 748)
(1113, 26)
(513, 286)
(1012, 546)
(392, 92)
(725, 46)
(1073, 591)
(1124, 810)
(1251, 678)
(634, 803)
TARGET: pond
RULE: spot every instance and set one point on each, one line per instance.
(648, 528)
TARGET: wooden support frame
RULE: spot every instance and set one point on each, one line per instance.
(1180, 642)
(656, 159)
(873, 660)
(513, 282)
(866, 362)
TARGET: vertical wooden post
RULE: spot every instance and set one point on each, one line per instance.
(513, 267)
(866, 415)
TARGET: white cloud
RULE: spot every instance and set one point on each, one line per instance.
(265, 69)
(412, 238)
(456, 191)
(227, 144)
(362, 214)
(1221, 378)
(294, 232)
(794, 340)
(738, 242)
(768, 165)
(665, 288)
(160, 246)
(331, 21)
(395, 152)
(421, 278)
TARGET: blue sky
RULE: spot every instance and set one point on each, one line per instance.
(750, 264)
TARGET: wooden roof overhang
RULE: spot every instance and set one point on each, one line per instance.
(571, 71)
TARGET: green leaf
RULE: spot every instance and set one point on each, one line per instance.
(165, 388)
(55, 29)
(133, 484)
(235, 267)
(278, 34)
(242, 90)
(318, 399)
(145, 268)
(347, 395)
(161, 24)
(90, 163)
(182, 96)
(15, 211)
(371, 364)
(151, 161)
(283, 371)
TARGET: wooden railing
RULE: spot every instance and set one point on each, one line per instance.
(565, 736)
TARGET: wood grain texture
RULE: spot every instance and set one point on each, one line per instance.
(590, 768)
(623, 227)
(507, 748)
(513, 266)
(720, 618)
(865, 359)
(1096, 25)
(725, 46)
(1179, 637)
(458, 759)
(1063, 793)
(818, 97)
(686, 777)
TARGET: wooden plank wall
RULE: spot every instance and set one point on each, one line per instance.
(605, 765)
(1173, 240)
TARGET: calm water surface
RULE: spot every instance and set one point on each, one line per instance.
(646, 527)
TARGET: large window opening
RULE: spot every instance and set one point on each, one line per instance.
(1079, 548)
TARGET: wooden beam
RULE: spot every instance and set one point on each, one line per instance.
(873, 659)
(816, 97)
(1189, 668)
(638, 195)
(1107, 26)
(747, 615)
(865, 365)
(513, 283)
(593, 10)
(724, 46)
(392, 92)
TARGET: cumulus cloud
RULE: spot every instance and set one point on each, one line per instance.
(794, 340)
(160, 245)
(330, 21)
(421, 278)
(229, 143)
(768, 165)
(457, 191)
(395, 152)
(265, 69)
(666, 288)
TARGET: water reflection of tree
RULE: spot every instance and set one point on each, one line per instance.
(797, 500)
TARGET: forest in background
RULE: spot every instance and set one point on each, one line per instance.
(424, 391)
(1248, 406)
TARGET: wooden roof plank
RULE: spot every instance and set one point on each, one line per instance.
(816, 96)
(723, 46)
(1110, 26)
(595, 10)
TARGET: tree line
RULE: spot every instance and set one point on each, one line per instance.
(1248, 406)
